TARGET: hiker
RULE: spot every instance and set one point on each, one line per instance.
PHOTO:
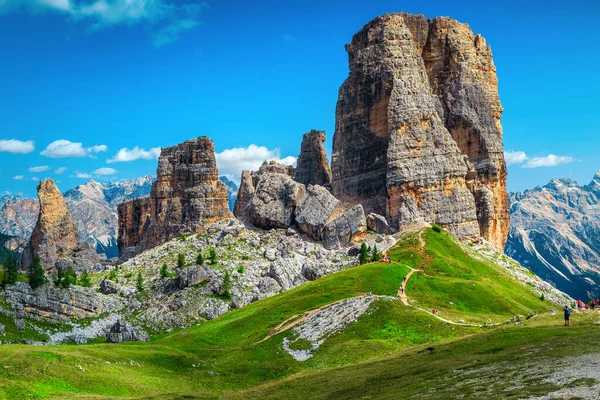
(402, 289)
(587, 307)
(567, 311)
(578, 303)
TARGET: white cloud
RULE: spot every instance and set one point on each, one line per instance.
(514, 157)
(81, 175)
(550, 160)
(40, 168)
(65, 148)
(126, 155)
(231, 162)
(35, 179)
(16, 146)
(166, 18)
(105, 171)
(18, 177)
(60, 170)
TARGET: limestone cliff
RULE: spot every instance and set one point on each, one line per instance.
(186, 197)
(54, 239)
(312, 167)
(407, 119)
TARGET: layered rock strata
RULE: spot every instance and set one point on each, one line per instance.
(186, 197)
(417, 136)
(54, 239)
(312, 166)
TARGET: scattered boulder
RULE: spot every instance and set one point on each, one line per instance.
(123, 331)
(274, 201)
(346, 229)
(377, 223)
(316, 209)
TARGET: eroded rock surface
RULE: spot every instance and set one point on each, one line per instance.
(312, 167)
(407, 125)
(186, 198)
(316, 209)
(54, 239)
(349, 228)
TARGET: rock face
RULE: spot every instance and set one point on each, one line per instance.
(186, 197)
(55, 303)
(555, 232)
(123, 331)
(349, 228)
(316, 209)
(312, 167)
(417, 134)
(274, 201)
(54, 239)
(244, 195)
(377, 223)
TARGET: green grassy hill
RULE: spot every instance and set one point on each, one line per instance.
(390, 347)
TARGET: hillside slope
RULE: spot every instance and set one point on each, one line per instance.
(292, 330)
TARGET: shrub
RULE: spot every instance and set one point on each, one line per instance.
(183, 238)
(140, 283)
(542, 297)
(241, 269)
(164, 271)
(180, 261)
(213, 256)
(36, 273)
(200, 259)
(436, 228)
(226, 285)
(84, 280)
(69, 278)
(112, 275)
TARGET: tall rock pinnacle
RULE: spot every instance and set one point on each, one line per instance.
(417, 134)
(54, 239)
(312, 167)
(186, 198)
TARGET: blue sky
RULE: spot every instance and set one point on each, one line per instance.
(92, 77)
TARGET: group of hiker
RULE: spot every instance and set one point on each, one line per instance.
(592, 304)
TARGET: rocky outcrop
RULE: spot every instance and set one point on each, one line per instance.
(347, 229)
(403, 145)
(54, 239)
(123, 331)
(274, 201)
(245, 193)
(463, 75)
(555, 232)
(186, 197)
(316, 209)
(312, 167)
(377, 223)
(56, 303)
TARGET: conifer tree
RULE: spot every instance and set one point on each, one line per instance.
(36, 273)
(200, 259)
(140, 283)
(226, 286)
(180, 261)
(363, 257)
(164, 271)
(213, 256)
(10, 273)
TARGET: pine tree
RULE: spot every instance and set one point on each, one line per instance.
(200, 259)
(213, 256)
(375, 254)
(363, 257)
(180, 261)
(36, 273)
(140, 283)
(10, 273)
(226, 286)
(164, 271)
(84, 280)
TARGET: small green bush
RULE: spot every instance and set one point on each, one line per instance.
(241, 269)
(140, 283)
(84, 280)
(436, 228)
(180, 261)
(36, 273)
(200, 259)
(213, 256)
(164, 271)
(226, 286)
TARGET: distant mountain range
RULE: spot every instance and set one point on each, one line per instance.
(555, 232)
(93, 207)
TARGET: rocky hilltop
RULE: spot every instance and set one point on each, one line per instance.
(55, 239)
(186, 197)
(555, 232)
(418, 134)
